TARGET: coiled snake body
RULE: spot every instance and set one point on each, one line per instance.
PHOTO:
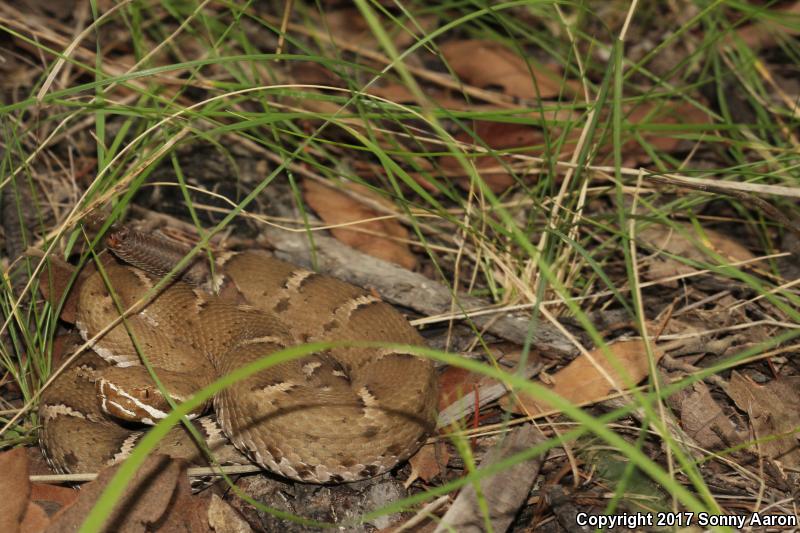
(345, 414)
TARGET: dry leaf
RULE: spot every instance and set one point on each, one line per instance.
(398, 93)
(703, 420)
(52, 498)
(336, 207)
(313, 73)
(224, 519)
(43, 501)
(426, 463)
(580, 382)
(662, 269)
(774, 409)
(502, 136)
(188, 513)
(35, 519)
(765, 33)
(461, 393)
(394, 92)
(455, 383)
(662, 238)
(487, 64)
(496, 136)
(347, 26)
(147, 498)
(663, 114)
(15, 489)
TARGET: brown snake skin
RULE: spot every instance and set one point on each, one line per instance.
(341, 415)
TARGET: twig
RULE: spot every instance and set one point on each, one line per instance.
(422, 514)
(199, 471)
(729, 189)
(409, 289)
(504, 492)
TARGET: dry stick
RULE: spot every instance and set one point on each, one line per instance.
(200, 471)
(287, 10)
(484, 395)
(490, 309)
(505, 492)
(423, 514)
(636, 292)
(774, 290)
(767, 208)
(407, 288)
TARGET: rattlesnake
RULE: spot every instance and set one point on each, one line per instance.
(344, 414)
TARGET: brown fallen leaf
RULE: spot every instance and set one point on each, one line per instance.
(15, 489)
(224, 519)
(149, 496)
(337, 207)
(768, 32)
(662, 238)
(666, 114)
(188, 513)
(35, 519)
(663, 269)
(487, 64)
(703, 419)
(463, 393)
(400, 94)
(455, 383)
(348, 26)
(580, 382)
(394, 92)
(774, 409)
(496, 136)
(313, 73)
(52, 498)
(427, 462)
(498, 170)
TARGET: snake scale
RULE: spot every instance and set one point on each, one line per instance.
(344, 414)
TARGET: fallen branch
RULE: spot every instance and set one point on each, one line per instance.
(409, 289)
